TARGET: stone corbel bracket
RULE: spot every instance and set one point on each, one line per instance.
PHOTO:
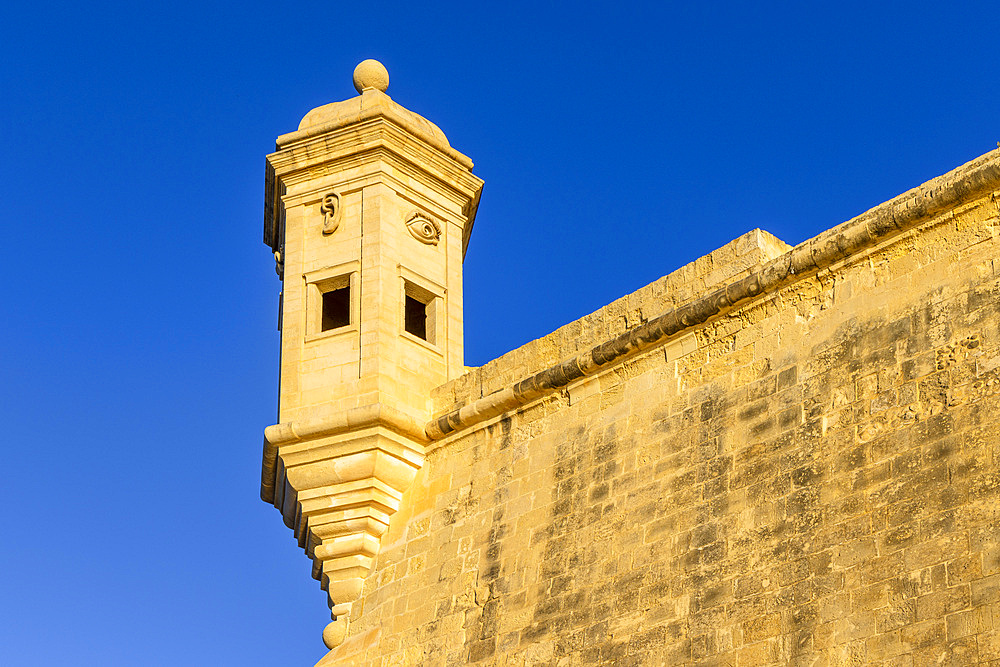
(337, 482)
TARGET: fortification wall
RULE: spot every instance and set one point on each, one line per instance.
(809, 476)
(733, 261)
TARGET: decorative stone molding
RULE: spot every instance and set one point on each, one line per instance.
(279, 264)
(338, 483)
(331, 212)
(280, 435)
(423, 229)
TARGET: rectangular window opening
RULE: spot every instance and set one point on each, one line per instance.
(415, 317)
(336, 308)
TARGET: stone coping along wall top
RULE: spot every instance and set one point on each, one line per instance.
(874, 226)
(733, 261)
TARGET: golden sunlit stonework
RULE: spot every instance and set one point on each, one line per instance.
(773, 455)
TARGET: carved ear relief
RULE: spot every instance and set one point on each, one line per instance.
(331, 212)
(423, 228)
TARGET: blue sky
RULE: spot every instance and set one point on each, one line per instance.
(617, 142)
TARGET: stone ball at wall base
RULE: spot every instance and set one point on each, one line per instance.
(334, 633)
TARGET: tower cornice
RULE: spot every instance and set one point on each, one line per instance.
(334, 154)
(369, 105)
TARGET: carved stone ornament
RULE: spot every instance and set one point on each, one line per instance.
(424, 229)
(279, 264)
(331, 212)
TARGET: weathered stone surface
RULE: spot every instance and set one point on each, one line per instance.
(813, 481)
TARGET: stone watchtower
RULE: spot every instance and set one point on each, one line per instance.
(368, 211)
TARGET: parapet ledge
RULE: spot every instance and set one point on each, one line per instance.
(732, 261)
(620, 329)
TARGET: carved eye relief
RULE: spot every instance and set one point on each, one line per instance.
(330, 208)
(424, 229)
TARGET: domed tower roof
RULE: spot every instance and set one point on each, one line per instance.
(372, 80)
(370, 108)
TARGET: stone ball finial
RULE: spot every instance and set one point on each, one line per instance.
(371, 74)
(334, 633)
